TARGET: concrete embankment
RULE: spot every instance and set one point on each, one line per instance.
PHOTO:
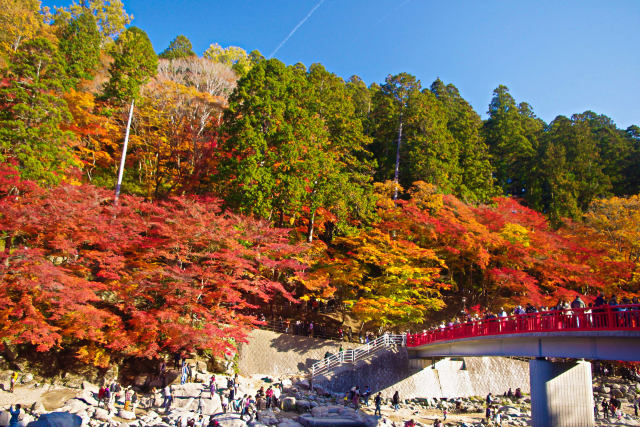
(276, 354)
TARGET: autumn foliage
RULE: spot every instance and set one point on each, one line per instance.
(133, 280)
(433, 249)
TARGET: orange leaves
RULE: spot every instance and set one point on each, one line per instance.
(98, 137)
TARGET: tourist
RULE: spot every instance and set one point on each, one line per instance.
(224, 402)
(444, 414)
(497, 419)
(183, 375)
(12, 381)
(518, 393)
(437, 423)
(509, 393)
(487, 412)
(134, 401)
(212, 385)
(127, 398)
(356, 399)
(246, 407)
(605, 408)
(15, 415)
(378, 402)
(409, 423)
(269, 396)
(168, 397)
(366, 395)
(275, 398)
(101, 395)
(489, 399)
(396, 401)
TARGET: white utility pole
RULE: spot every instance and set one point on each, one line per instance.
(124, 155)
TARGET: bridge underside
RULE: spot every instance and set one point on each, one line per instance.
(600, 345)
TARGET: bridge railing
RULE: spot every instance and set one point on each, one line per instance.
(607, 317)
(353, 355)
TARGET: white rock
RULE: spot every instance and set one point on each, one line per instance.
(74, 406)
(126, 415)
(101, 414)
(26, 378)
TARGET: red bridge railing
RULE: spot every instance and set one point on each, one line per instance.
(602, 318)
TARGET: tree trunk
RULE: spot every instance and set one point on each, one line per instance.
(310, 229)
(397, 172)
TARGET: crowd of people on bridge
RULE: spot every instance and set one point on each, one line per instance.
(601, 313)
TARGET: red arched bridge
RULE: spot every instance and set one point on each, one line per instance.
(605, 332)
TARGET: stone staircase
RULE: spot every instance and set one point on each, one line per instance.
(383, 343)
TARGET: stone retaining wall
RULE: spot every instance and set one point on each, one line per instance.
(270, 353)
(275, 354)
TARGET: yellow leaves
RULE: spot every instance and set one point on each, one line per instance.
(20, 21)
(516, 234)
(384, 192)
(426, 196)
(93, 355)
(617, 220)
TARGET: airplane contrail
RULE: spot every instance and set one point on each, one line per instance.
(286, 39)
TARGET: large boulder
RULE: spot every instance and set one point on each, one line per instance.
(5, 416)
(230, 420)
(303, 405)
(267, 417)
(126, 415)
(26, 378)
(57, 419)
(510, 410)
(289, 403)
(309, 421)
(74, 406)
(102, 414)
(88, 397)
(38, 408)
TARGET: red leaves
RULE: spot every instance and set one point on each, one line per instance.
(505, 253)
(136, 280)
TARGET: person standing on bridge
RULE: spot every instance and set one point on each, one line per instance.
(578, 305)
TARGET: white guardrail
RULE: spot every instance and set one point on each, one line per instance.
(351, 356)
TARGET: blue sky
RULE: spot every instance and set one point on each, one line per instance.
(562, 57)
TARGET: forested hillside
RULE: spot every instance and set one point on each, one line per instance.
(248, 182)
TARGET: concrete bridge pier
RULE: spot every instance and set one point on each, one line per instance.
(561, 393)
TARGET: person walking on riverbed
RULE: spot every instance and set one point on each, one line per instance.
(378, 402)
(396, 401)
(12, 382)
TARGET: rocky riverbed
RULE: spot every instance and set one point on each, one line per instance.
(299, 406)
